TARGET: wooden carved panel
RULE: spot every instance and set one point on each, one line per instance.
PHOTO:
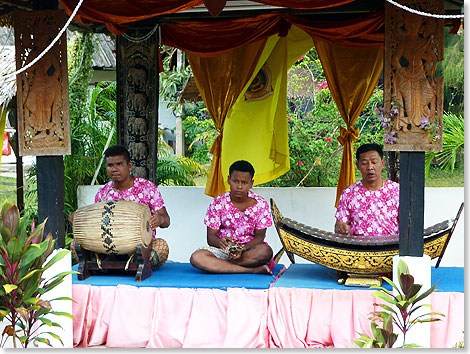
(413, 93)
(137, 94)
(42, 90)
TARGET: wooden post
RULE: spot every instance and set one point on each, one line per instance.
(413, 104)
(42, 106)
(411, 210)
(50, 181)
(137, 98)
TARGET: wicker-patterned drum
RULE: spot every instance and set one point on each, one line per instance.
(112, 227)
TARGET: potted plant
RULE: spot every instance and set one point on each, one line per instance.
(399, 309)
(23, 260)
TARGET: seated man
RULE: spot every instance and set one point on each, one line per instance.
(236, 227)
(124, 186)
(370, 206)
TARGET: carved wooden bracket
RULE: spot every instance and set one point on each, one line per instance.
(413, 94)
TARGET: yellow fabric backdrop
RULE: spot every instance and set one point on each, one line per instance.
(256, 131)
(352, 74)
(220, 80)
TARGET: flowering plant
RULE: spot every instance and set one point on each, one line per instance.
(431, 127)
(390, 136)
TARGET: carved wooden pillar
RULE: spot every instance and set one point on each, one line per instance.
(414, 106)
(43, 110)
(137, 98)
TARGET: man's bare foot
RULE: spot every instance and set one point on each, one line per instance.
(262, 269)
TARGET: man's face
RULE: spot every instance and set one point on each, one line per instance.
(240, 183)
(118, 168)
(370, 165)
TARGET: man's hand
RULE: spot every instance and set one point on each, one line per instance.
(342, 228)
(159, 218)
(224, 242)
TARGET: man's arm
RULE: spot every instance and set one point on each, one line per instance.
(214, 240)
(257, 239)
(342, 228)
(160, 218)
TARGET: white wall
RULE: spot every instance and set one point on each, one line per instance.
(312, 206)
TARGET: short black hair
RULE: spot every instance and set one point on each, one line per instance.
(369, 147)
(118, 150)
(242, 166)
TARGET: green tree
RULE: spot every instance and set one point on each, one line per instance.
(452, 69)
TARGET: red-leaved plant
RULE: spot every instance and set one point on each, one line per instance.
(400, 310)
(23, 260)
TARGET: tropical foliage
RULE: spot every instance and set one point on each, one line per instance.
(453, 140)
(399, 310)
(24, 259)
(452, 69)
(176, 170)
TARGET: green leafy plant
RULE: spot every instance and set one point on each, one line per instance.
(400, 310)
(453, 141)
(23, 260)
(176, 170)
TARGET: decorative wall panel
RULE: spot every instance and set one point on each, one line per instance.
(42, 90)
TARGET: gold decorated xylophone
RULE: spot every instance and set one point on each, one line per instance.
(353, 254)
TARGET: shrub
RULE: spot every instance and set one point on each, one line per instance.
(23, 260)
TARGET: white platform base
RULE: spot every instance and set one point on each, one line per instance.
(420, 269)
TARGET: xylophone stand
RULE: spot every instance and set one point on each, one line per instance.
(88, 264)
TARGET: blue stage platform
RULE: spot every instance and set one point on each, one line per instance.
(314, 276)
(310, 276)
(184, 275)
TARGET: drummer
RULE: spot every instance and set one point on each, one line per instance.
(125, 186)
(369, 207)
(236, 227)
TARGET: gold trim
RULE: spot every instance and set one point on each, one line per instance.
(350, 260)
(362, 280)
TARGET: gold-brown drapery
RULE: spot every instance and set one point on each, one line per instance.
(220, 81)
(218, 37)
(362, 33)
(352, 74)
(119, 14)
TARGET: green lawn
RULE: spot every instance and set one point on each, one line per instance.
(441, 178)
(8, 191)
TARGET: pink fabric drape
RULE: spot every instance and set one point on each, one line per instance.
(128, 316)
(314, 318)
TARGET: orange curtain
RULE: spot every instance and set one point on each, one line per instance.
(118, 14)
(352, 74)
(220, 80)
(305, 4)
(362, 31)
(208, 38)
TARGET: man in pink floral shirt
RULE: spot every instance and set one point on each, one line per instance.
(125, 186)
(236, 227)
(369, 207)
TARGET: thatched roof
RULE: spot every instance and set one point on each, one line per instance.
(7, 64)
(189, 93)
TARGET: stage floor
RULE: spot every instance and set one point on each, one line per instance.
(301, 306)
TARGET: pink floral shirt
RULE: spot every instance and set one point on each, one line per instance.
(142, 191)
(222, 215)
(370, 213)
